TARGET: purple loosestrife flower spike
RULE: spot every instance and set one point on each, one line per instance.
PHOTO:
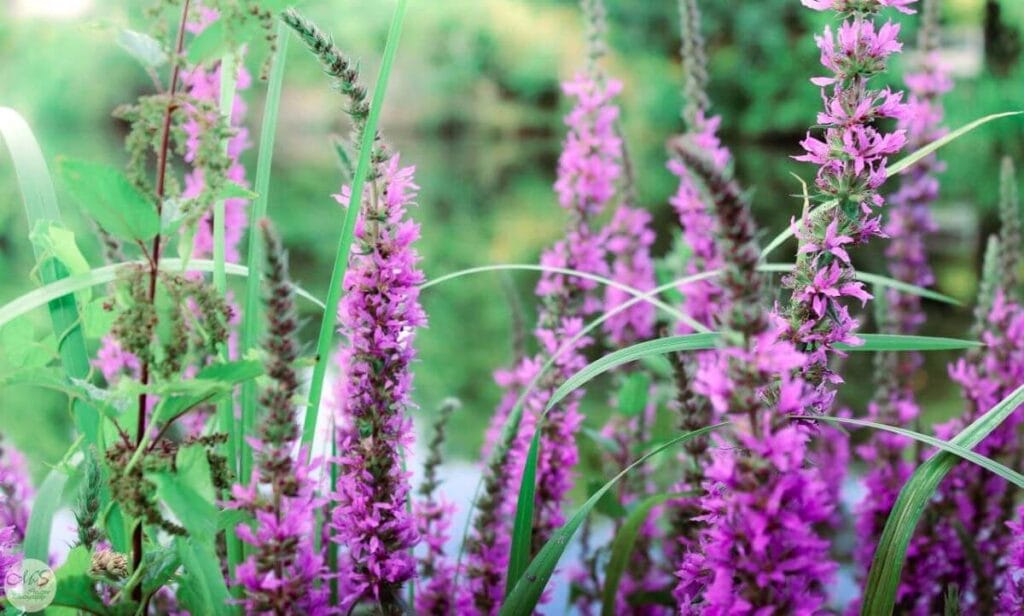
(8, 558)
(1011, 600)
(760, 551)
(851, 158)
(378, 316)
(435, 586)
(284, 571)
(704, 300)
(15, 490)
(588, 169)
(910, 224)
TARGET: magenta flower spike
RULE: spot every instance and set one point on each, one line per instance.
(378, 316)
(15, 491)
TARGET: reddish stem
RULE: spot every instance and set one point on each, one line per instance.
(154, 267)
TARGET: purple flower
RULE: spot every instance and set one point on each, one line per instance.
(433, 522)
(759, 550)
(628, 239)
(1011, 600)
(851, 159)
(588, 168)
(8, 558)
(15, 491)
(378, 316)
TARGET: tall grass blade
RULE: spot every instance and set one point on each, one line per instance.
(884, 577)
(326, 337)
(254, 254)
(529, 584)
(636, 352)
(975, 458)
(40, 200)
(622, 549)
(899, 342)
(102, 275)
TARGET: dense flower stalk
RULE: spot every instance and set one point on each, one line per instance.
(588, 169)
(704, 299)
(435, 586)
(760, 551)
(15, 491)
(285, 570)
(628, 239)
(378, 315)
(851, 159)
(909, 225)
(1011, 599)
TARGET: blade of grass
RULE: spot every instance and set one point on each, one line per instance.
(326, 337)
(251, 310)
(884, 576)
(876, 279)
(905, 163)
(622, 548)
(530, 584)
(40, 522)
(975, 458)
(103, 275)
(40, 201)
(659, 346)
(896, 342)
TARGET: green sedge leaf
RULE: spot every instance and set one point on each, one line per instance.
(529, 584)
(884, 576)
(622, 548)
(894, 342)
(633, 393)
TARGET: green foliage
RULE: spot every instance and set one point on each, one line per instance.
(884, 577)
(110, 198)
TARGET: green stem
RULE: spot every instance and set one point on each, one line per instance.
(254, 254)
(326, 337)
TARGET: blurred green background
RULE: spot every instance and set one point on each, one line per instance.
(474, 103)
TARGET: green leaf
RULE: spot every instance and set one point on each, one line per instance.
(21, 349)
(75, 589)
(232, 190)
(197, 514)
(202, 590)
(54, 239)
(41, 204)
(529, 584)
(975, 458)
(659, 346)
(875, 280)
(142, 47)
(325, 339)
(909, 160)
(111, 199)
(252, 311)
(633, 393)
(622, 549)
(609, 504)
(97, 320)
(884, 576)
(894, 342)
(103, 275)
(40, 522)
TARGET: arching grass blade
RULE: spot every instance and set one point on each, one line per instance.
(884, 576)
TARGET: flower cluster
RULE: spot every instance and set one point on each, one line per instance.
(760, 549)
(378, 316)
(851, 159)
(909, 225)
(15, 490)
(628, 238)
(1011, 599)
(588, 168)
(8, 557)
(434, 513)
(285, 569)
